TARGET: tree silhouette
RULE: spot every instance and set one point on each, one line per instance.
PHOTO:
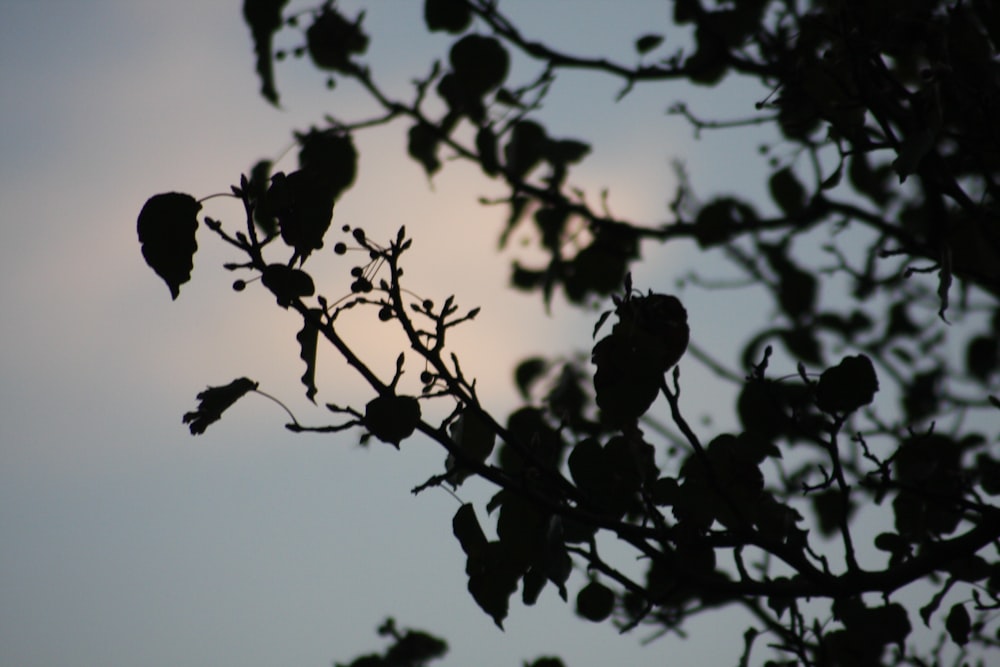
(888, 163)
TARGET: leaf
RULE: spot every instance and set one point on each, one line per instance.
(392, 418)
(167, 225)
(527, 372)
(257, 186)
(303, 203)
(216, 400)
(486, 146)
(958, 624)
(788, 193)
(849, 385)
(474, 436)
(332, 40)
(480, 64)
(912, 151)
(452, 16)
(466, 528)
(332, 157)
(982, 357)
(492, 580)
(287, 284)
(567, 151)
(308, 338)
(595, 602)
(422, 146)
(647, 43)
(264, 19)
(525, 147)
(415, 649)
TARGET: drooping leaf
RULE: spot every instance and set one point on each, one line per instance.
(167, 225)
(216, 400)
(308, 338)
(452, 16)
(392, 418)
(264, 19)
(849, 385)
(595, 602)
(492, 580)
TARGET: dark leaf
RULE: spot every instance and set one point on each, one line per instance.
(332, 40)
(287, 284)
(721, 219)
(466, 528)
(492, 580)
(415, 649)
(486, 145)
(525, 147)
(849, 385)
(958, 624)
(452, 16)
(595, 602)
(264, 19)
(167, 226)
(802, 342)
(260, 179)
(480, 64)
(422, 146)
(527, 372)
(332, 157)
(567, 151)
(475, 438)
(392, 418)
(216, 400)
(303, 204)
(787, 192)
(308, 338)
(647, 43)
(989, 473)
(982, 357)
(546, 662)
(912, 151)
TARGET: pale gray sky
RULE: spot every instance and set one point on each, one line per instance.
(125, 541)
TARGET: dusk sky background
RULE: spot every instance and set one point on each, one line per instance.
(126, 541)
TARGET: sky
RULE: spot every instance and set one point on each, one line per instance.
(126, 541)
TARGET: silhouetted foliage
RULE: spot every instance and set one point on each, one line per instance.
(888, 344)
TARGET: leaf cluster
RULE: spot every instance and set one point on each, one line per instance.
(877, 250)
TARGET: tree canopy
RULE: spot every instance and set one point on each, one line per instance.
(868, 388)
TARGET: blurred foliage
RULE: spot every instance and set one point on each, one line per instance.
(888, 159)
